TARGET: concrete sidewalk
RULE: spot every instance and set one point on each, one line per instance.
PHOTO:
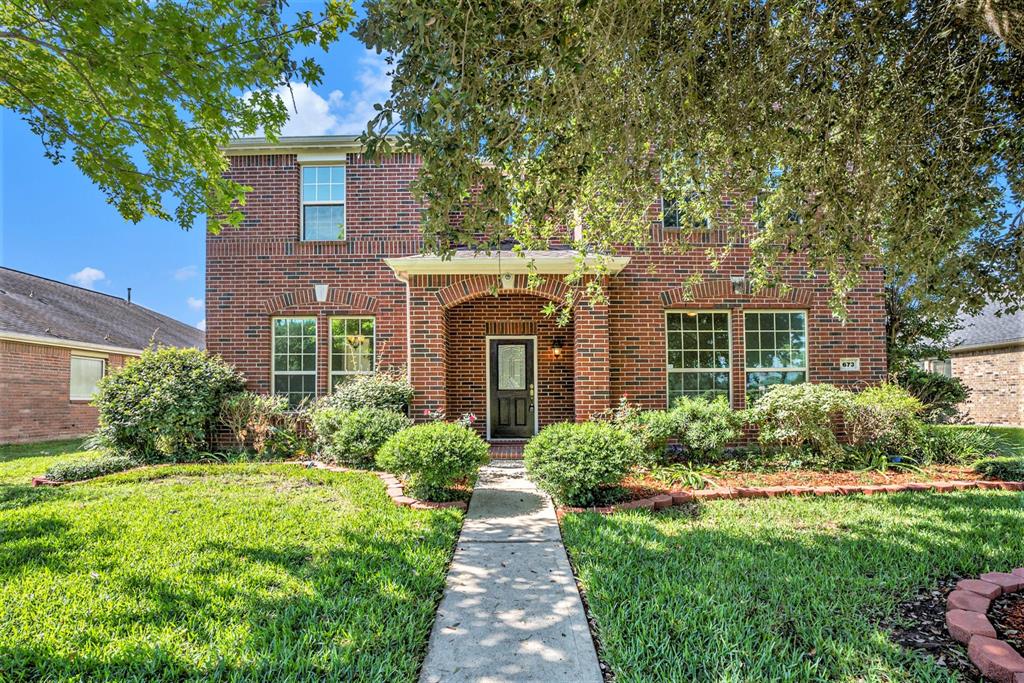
(511, 610)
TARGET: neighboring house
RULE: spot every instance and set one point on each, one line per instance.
(56, 342)
(325, 279)
(987, 353)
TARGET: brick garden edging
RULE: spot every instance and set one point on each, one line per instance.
(967, 621)
(393, 485)
(666, 500)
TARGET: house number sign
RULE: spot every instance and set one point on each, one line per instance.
(849, 364)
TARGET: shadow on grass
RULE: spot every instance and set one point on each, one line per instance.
(789, 589)
(358, 608)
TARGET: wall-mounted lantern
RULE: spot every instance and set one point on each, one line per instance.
(556, 347)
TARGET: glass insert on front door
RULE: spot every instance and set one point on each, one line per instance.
(511, 367)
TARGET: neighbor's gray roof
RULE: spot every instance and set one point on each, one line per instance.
(987, 328)
(41, 307)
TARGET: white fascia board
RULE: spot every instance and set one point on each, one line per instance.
(67, 343)
(483, 264)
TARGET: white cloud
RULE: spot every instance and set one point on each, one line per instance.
(339, 113)
(195, 304)
(202, 324)
(186, 272)
(88, 277)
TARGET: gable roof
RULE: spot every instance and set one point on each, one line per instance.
(987, 328)
(39, 307)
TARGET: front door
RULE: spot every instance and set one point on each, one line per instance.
(511, 384)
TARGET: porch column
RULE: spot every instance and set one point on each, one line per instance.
(591, 356)
(428, 352)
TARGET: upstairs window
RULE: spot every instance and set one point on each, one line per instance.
(323, 202)
(85, 375)
(671, 216)
(294, 371)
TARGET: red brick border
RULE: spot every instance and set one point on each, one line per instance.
(967, 621)
(722, 493)
(394, 487)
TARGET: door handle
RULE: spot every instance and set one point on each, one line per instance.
(531, 390)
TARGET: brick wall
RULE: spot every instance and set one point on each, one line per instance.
(263, 269)
(35, 383)
(996, 380)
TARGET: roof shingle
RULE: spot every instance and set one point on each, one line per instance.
(988, 328)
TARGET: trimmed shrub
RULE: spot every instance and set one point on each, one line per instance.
(78, 470)
(652, 429)
(940, 395)
(705, 426)
(433, 457)
(1007, 468)
(884, 420)
(353, 437)
(164, 404)
(797, 416)
(955, 445)
(384, 390)
(578, 463)
(261, 422)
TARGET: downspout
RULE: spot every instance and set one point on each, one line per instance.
(408, 324)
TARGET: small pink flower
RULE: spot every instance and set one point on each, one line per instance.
(426, 411)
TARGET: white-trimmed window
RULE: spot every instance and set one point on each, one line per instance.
(698, 353)
(776, 349)
(352, 348)
(86, 372)
(323, 202)
(671, 216)
(294, 351)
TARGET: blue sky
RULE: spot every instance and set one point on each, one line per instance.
(54, 222)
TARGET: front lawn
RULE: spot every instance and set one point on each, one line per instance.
(20, 462)
(782, 589)
(216, 572)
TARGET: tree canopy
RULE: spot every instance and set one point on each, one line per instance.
(864, 131)
(142, 95)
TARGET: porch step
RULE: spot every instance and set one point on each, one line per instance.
(507, 450)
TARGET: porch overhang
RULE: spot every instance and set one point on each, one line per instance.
(468, 262)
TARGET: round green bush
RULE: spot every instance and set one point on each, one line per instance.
(433, 457)
(704, 426)
(1006, 468)
(384, 390)
(797, 416)
(164, 404)
(577, 463)
(353, 437)
(885, 420)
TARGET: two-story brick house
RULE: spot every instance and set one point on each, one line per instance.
(325, 279)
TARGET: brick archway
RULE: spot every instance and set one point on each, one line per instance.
(477, 286)
(721, 290)
(306, 296)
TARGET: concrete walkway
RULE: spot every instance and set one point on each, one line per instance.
(511, 610)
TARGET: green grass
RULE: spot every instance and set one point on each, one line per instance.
(215, 572)
(790, 589)
(20, 462)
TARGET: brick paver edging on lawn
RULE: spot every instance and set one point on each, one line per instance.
(666, 500)
(395, 489)
(966, 610)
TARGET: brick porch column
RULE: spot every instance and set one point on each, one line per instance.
(429, 350)
(593, 376)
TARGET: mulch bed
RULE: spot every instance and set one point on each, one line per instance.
(919, 624)
(636, 487)
(1007, 616)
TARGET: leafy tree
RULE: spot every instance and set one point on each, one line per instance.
(142, 95)
(864, 131)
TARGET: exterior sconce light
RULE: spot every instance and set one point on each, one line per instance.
(556, 348)
(321, 293)
(739, 284)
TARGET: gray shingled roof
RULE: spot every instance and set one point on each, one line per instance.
(46, 308)
(989, 328)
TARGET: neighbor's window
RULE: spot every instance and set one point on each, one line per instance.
(352, 348)
(294, 374)
(323, 202)
(776, 349)
(698, 354)
(85, 374)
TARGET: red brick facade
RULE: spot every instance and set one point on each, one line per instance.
(436, 324)
(35, 383)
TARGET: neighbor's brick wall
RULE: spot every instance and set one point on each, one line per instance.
(35, 383)
(262, 269)
(507, 315)
(996, 380)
